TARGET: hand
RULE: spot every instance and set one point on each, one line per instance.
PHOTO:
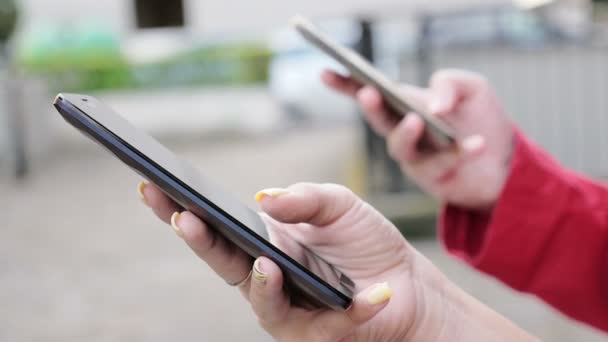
(401, 296)
(471, 175)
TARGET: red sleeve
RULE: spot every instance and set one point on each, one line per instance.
(547, 235)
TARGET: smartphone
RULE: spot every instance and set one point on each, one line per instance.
(437, 135)
(310, 280)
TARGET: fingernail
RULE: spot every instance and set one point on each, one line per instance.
(379, 294)
(436, 106)
(174, 225)
(258, 273)
(472, 143)
(272, 192)
(140, 190)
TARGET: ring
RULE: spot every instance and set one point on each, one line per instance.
(239, 283)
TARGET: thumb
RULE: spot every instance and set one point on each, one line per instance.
(335, 325)
(316, 204)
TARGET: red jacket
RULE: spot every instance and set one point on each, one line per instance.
(547, 235)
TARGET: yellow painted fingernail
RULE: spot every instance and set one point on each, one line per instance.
(140, 190)
(174, 225)
(379, 294)
(258, 274)
(272, 192)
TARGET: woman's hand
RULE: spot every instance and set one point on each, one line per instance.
(400, 295)
(472, 175)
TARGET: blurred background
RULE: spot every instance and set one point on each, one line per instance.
(228, 86)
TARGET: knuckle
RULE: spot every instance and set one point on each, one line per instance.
(208, 241)
(342, 193)
(340, 190)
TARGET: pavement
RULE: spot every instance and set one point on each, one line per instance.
(81, 259)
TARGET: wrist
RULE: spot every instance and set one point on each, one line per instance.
(444, 312)
(475, 321)
(484, 180)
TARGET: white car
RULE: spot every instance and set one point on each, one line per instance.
(294, 76)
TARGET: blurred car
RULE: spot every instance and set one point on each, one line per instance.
(295, 68)
(294, 74)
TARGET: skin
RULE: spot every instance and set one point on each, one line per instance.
(420, 305)
(471, 176)
(417, 303)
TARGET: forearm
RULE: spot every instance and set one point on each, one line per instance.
(445, 313)
(474, 321)
(547, 235)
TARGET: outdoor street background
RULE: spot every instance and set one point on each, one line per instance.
(229, 87)
(82, 259)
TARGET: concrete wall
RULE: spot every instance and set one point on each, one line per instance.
(213, 16)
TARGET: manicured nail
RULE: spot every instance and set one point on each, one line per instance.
(258, 273)
(272, 192)
(379, 294)
(472, 143)
(174, 225)
(140, 190)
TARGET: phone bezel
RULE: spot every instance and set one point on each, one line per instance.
(304, 280)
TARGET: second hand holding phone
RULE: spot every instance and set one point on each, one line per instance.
(437, 135)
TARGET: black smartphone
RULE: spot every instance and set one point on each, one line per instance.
(310, 281)
(437, 134)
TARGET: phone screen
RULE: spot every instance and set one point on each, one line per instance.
(186, 174)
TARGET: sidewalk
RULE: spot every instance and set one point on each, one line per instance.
(190, 112)
(81, 259)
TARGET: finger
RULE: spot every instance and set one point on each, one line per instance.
(268, 300)
(403, 140)
(443, 167)
(317, 204)
(450, 86)
(343, 84)
(380, 118)
(153, 197)
(335, 325)
(417, 98)
(228, 261)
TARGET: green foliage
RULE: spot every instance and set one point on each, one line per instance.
(415, 227)
(217, 65)
(85, 67)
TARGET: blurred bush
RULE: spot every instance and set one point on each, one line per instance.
(90, 58)
(234, 64)
(416, 226)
